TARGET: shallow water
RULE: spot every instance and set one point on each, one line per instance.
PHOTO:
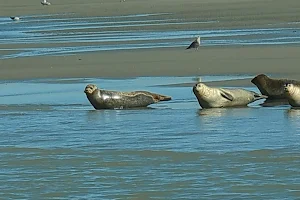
(54, 145)
(92, 34)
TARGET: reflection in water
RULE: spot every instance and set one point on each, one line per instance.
(219, 112)
(217, 119)
(293, 115)
(274, 102)
(114, 115)
(212, 112)
(103, 115)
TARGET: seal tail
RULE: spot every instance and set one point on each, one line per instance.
(159, 97)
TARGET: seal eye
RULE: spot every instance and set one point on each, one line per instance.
(286, 85)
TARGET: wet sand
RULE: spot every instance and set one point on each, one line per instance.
(232, 13)
(280, 60)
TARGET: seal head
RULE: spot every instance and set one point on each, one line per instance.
(90, 88)
(292, 93)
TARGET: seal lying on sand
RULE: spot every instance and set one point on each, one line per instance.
(292, 93)
(273, 88)
(195, 44)
(105, 99)
(209, 97)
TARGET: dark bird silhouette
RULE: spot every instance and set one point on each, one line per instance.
(15, 18)
(45, 3)
(195, 44)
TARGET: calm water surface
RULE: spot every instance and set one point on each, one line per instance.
(54, 145)
(41, 35)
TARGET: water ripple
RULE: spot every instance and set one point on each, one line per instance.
(109, 33)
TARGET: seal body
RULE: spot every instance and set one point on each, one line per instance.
(195, 44)
(273, 88)
(210, 97)
(107, 99)
(292, 93)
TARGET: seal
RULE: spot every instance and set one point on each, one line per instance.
(273, 88)
(195, 44)
(210, 97)
(292, 93)
(108, 99)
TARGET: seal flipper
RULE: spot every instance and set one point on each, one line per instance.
(259, 96)
(159, 97)
(226, 95)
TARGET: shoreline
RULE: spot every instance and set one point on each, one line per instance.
(280, 60)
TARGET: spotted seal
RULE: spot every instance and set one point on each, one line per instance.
(292, 93)
(195, 44)
(106, 99)
(273, 88)
(210, 97)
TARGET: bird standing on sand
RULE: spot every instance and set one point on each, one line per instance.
(195, 44)
(15, 18)
(197, 79)
(45, 3)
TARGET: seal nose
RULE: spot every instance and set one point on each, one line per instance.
(87, 89)
(286, 86)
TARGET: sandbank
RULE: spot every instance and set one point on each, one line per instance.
(277, 60)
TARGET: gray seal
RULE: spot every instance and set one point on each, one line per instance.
(106, 99)
(292, 93)
(273, 88)
(195, 44)
(210, 97)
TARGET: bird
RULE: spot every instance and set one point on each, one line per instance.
(197, 79)
(45, 3)
(15, 18)
(195, 44)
